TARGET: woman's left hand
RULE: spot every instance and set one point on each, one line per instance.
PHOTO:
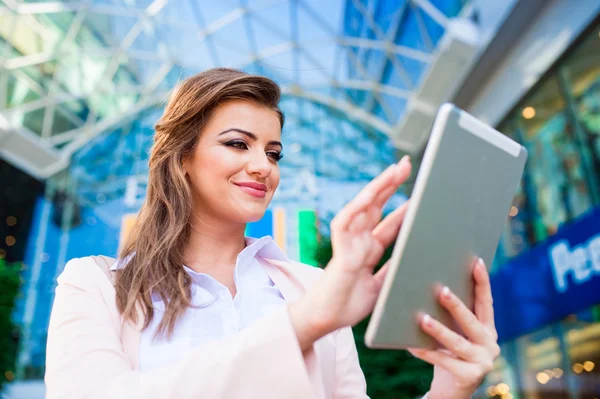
(461, 367)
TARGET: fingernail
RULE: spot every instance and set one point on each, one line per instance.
(405, 159)
(427, 320)
(415, 351)
(481, 264)
(446, 292)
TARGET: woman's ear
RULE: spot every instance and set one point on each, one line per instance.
(185, 164)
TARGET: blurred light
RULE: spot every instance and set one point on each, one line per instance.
(9, 375)
(557, 372)
(588, 366)
(502, 388)
(578, 368)
(514, 211)
(507, 396)
(101, 198)
(491, 391)
(2, 253)
(528, 112)
(542, 378)
(296, 147)
(11, 221)
(131, 191)
(549, 373)
(44, 257)
(10, 241)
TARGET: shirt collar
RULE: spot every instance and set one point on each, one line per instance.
(264, 247)
(121, 263)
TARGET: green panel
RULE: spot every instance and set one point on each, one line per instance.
(308, 236)
(596, 313)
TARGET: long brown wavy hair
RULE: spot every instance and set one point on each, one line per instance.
(156, 244)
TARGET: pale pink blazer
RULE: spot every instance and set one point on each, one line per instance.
(91, 354)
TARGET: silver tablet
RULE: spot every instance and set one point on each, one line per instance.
(460, 202)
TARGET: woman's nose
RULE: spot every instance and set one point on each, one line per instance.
(260, 165)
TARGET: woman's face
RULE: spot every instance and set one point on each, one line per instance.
(234, 168)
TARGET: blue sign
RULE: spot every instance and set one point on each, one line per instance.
(559, 277)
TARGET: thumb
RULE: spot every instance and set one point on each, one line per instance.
(380, 275)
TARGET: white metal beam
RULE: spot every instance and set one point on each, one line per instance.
(53, 88)
(433, 12)
(384, 46)
(86, 133)
(351, 111)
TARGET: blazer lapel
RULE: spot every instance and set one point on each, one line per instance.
(130, 333)
(288, 285)
(320, 359)
(130, 338)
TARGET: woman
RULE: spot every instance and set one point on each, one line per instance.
(198, 310)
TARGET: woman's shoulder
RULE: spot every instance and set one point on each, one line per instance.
(86, 271)
(307, 274)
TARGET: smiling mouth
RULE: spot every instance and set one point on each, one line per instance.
(254, 190)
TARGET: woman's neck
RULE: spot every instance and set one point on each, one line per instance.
(213, 246)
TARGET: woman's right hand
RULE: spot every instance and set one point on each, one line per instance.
(347, 291)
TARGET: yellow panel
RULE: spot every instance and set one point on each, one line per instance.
(126, 225)
(279, 228)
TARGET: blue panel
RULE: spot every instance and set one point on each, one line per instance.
(262, 227)
(93, 236)
(552, 280)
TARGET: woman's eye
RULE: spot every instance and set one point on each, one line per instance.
(275, 155)
(240, 145)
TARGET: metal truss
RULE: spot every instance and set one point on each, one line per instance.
(92, 99)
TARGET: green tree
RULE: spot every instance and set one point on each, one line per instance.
(9, 288)
(390, 374)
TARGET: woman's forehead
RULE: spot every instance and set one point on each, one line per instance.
(256, 119)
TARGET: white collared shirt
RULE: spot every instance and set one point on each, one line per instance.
(218, 315)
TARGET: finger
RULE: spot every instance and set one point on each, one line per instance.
(439, 358)
(359, 223)
(387, 230)
(403, 173)
(381, 273)
(484, 303)
(466, 320)
(454, 342)
(367, 196)
(472, 373)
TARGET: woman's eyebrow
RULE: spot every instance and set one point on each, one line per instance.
(249, 134)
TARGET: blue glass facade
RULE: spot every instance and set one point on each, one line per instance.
(546, 276)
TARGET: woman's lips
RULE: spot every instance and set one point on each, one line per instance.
(254, 189)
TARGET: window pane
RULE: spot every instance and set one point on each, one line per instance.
(582, 333)
(543, 365)
(516, 235)
(554, 163)
(582, 75)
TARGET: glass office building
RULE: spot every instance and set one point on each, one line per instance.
(81, 85)
(547, 272)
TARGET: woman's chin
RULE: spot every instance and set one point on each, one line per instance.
(251, 218)
(250, 215)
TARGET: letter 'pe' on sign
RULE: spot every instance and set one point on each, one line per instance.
(583, 262)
